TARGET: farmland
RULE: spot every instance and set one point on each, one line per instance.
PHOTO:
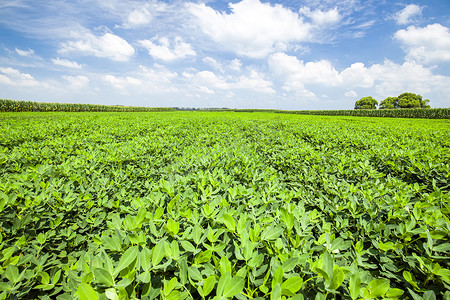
(197, 205)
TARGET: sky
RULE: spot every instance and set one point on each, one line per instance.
(291, 54)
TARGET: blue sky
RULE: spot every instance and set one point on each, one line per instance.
(289, 54)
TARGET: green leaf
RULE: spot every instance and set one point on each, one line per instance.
(394, 293)
(169, 286)
(338, 278)
(277, 277)
(272, 233)
(194, 274)
(354, 285)
(387, 246)
(127, 258)
(378, 287)
(158, 253)
(275, 294)
(223, 281)
(234, 287)
(429, 295)
(86, 292)
(111, 294)
(290, 264)
(328, 264)
(12, 273)
(112, 243)
(145, 259)
(208, 285)
(203, 256)
(104, 277)
(173, 227)
(442, 247)
(187, 246)
(292, 285)
(229, 221)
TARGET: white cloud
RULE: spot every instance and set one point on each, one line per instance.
(425, 44)
(405, 16)
(168, 51)
(207, 79)
(320, 17)
(380, 80)
(254, 82)
(28, 52)
(357, 75)
(235, 65)
(122, 82)
(295, 73)
(76, 82)
(252, 28)
(351, 94)
(138, 17)
(391, 79)
(107, 45)
(213, 62)
(66, 63)
(144, 80)
(13, 77)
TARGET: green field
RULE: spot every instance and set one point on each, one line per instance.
(192, 205)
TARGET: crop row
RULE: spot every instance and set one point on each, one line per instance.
(431, 113)
(7, 105)
(223, 205)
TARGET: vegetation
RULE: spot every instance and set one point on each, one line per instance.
(197, 205)
(366, 103)
(433, 113)
(20, 106)
(405, 100)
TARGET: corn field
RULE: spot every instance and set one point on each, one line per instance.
(432, 113)
(18, 106)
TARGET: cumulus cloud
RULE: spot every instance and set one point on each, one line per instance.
(252, 28)
(213, 63)
(254, 82)
(235, 65)
(296, 73)
(144, 80)
(107, 45)
(76, 82)
(138, 17)
(321, 17)
(207, 79)
(405, 16)
(425, 44)
(351, 94)
(385, 79)
(66, 63)
(166, 50)
(13, 77)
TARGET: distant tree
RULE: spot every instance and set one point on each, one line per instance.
(410, 100)
(389, 103)
(405, 100)
(366, 103)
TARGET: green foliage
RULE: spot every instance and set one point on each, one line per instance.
(7, 105)
(432, 113)
(405, 100)
(223, 205)
(366, 103)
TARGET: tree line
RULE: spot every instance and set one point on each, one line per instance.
(405, 100)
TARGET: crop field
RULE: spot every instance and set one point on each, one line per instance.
(203, 205)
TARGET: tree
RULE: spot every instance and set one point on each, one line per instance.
(405, 100)
(410, 100)
(366, 103)
(389, 103)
